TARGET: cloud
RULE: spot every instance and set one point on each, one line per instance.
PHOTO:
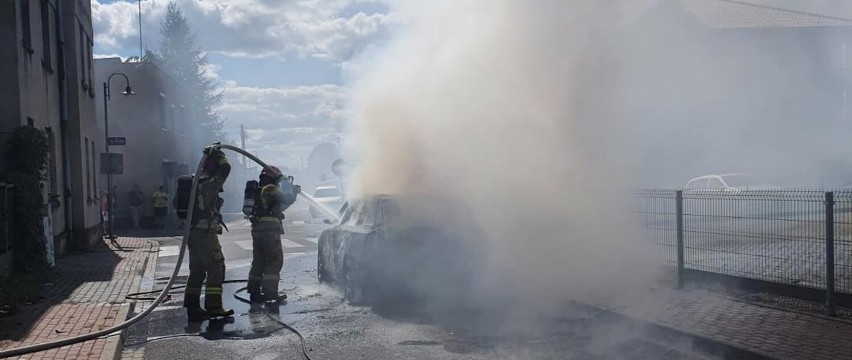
(109, 56)
(283, 124)
(249, 28)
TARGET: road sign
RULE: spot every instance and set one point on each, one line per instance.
(112, 163)
(116, 140)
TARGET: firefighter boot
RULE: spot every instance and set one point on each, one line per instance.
(220, 312)
(194, 311)
(213, 300)
(253, 289)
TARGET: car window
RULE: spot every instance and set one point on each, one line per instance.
(696, 184)
(715, 184)
(740, 180)
(326, 192)
(390, 211)
(368, 213)
(353, 214)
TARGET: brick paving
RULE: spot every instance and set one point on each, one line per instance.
(767, 331)
(88, 294)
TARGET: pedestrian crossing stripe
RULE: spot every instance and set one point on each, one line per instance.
(312, 239)
(285, 243)
(169, 251)
(298, 222)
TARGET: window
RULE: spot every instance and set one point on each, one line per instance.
(368, 213)
(172, 120)
(353, 214)
(26, 31)
(715, 184)
(94, 170)
(182, 120)
(46, 55)
(696, 184)
(82, 46)
(88, 178)
(90, 62)
(163, 112)
(326, 192)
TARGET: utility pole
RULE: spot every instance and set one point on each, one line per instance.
(243, 143)
(141, 51)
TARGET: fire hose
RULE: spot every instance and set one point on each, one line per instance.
(164, 293)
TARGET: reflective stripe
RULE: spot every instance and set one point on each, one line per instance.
(268, 219)
(192, 290)
(270, 277)
(205, 224)
(213, 290)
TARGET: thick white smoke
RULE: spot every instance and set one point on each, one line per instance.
(488, 100)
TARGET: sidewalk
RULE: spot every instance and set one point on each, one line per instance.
(766, 331)
(87, 295)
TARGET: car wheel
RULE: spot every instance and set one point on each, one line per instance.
(355, 286)
(322, 269)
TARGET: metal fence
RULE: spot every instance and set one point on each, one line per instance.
(797, 242)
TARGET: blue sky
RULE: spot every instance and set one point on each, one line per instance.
(280, 63)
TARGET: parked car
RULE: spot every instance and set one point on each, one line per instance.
(329, 196)
(727, 182)
(388, 248)
(734, 198)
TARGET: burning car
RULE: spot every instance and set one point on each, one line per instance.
(388, 248)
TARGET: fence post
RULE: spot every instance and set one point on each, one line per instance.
(829, 254)
(679, 216)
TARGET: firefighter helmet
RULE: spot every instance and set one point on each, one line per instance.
(273, 173)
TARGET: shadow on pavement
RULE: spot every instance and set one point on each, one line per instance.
(65, 286)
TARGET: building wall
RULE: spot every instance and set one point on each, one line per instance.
(85, 143)
(30, 63)
(157, 124)
(29, 42)
(10, 49)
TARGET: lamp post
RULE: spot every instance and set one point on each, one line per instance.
(110, 194)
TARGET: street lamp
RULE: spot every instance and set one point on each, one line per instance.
(127, 91)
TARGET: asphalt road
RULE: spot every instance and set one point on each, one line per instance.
(335, 330)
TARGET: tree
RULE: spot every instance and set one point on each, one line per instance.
(183, 59)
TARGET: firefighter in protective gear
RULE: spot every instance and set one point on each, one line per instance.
(205, 253)
(274, 197)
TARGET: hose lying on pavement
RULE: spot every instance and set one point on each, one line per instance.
(164, 293)
(137, 296)
(273, 318)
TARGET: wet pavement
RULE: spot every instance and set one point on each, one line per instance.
(334, 329)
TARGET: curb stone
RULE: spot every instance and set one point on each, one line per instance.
(706, 344)
(115, 345)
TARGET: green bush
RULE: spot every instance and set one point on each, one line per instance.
(27, 154)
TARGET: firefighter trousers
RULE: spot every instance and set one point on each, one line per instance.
(267, 259)
(205, 261)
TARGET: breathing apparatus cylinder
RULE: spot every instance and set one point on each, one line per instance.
(184, 192)
(251, 194)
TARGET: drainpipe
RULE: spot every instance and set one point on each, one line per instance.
(63, 116)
